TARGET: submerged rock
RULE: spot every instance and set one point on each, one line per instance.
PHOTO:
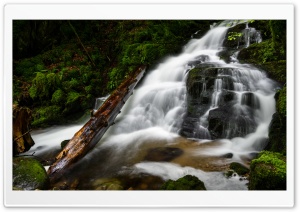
(163, 154)
(29, 174)
(187, 182)
(268, 172)
(108, 184)
(141, 181)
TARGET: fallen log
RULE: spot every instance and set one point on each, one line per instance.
(90, 134)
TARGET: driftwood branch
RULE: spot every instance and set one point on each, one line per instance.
(89, 135)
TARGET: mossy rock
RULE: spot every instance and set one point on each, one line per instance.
(277, 127)
(281, 102)
(108, 184)
(268, 172)
(29, 174)
(187, 182)
(277, 134)
(239, 168)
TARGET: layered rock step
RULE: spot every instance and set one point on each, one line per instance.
(219, 103)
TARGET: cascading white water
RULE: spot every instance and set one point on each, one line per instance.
(153, 117)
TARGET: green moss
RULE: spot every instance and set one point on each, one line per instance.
(43, 85)
(281, 102)
(73, 97)
(43, 116)
(268, 172)
(187, 182)
(239, 168)
(58, 97)
(29, 174)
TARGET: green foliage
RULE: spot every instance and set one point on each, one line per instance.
(43, 85)
(268, 172)
(278, 31)
(43, 116)
(58, 97)
(73, 97)
(234, 35)
(29, 174)
(187, 182)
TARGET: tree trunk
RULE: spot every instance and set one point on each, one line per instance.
(90, 134)
(22, 140)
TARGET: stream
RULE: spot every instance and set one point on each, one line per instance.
(157, 137)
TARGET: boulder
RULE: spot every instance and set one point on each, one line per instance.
(268, 172)
(108, 184)
(29, 174)
(239, 168)
(277, 134)
(222, 123)
(187, 182)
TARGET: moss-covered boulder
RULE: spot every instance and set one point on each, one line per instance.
(29, 174)
(187, 182)
(108, 184)
(268, 172)
(239, 168)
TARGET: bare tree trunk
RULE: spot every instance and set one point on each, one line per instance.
(90, 134)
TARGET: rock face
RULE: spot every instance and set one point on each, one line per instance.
(212, 99)
(268, 172)
(29, 174)
(187, 182)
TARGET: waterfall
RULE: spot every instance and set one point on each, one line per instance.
(228, 113)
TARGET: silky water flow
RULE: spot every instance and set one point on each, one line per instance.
(155, 115)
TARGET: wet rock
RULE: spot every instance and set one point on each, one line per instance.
(223, 123)
(239, 168)
(248, 98)
(277, 134)
(163, 154)
(187, 182)
(29, 174)
(198, 60)
(228, 155)
(141, 181)
(108, 184)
